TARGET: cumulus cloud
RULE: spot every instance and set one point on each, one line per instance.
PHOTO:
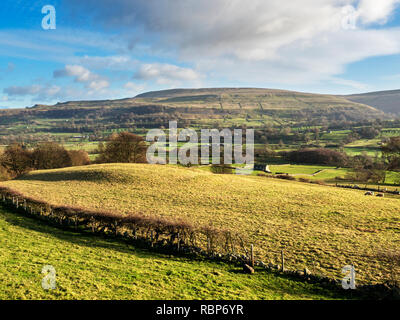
(289, 41)
(372, 11)
(115, 62)
(166, 73)
(42, 92)
(22, 90)
(132, 87)
(81, 74)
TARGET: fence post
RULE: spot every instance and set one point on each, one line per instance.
(252, 256)
(283, 260)
(25, 204)
(179, 241)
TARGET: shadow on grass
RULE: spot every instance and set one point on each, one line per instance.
(77, 175)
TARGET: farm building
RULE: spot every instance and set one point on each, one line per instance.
(261, 167)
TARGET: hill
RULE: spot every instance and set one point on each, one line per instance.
(197, 108)
(94, 268)
(387, 101)
(319, 227)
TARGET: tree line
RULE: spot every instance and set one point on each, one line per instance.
(17, 159)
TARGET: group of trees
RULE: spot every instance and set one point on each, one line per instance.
(317, 156)
(123, 147)
(367, 169)
(391, 153)
(17, 159)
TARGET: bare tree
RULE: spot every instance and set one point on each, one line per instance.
(123, 147)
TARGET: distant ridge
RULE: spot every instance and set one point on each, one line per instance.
(215, 104)
(386, 101)
(199, 91)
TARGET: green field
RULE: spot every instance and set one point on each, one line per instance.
(92, 267)
(319, 227)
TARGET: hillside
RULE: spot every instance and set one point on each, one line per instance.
(196, 108)
(387, 101)
(319, 227)
(93, 268)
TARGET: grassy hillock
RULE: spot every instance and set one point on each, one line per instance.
(318, 227)
(92, 267)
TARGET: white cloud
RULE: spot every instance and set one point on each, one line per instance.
(166, 73)
(42, 92)
(97, 85)
(81, 74)
(373, 11)
(257, 42)
(132, 87)
(22, 90)
(116, 62)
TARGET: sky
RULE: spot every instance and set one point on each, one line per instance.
(110, 49)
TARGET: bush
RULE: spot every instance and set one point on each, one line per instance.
(79, 158)
(50, 155)
(221, 169)
(285, 177)
(5, 174)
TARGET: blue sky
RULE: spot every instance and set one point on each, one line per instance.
(107, 49)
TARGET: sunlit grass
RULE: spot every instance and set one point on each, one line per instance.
(319, 227)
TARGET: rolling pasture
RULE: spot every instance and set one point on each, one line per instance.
(92, 267)
(319, 227)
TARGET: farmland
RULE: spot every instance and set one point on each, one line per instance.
(91, 267)
(319, 227)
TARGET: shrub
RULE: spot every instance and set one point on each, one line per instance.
(221, 169)
(79, 158)
(285, 177)
(5, 174)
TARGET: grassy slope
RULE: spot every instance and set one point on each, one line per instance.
(90, 267)
(387, 101)
(320, 227)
